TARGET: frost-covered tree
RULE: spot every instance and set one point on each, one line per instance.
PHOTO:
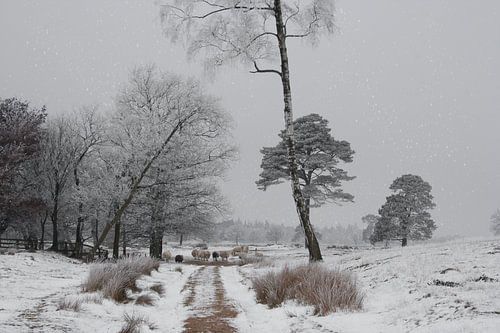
(275, 233)
(254, 32)
(88, 129)
(57, 160)
(318, 155)
(370, 220)
(405, 214)
(495, 223)
(162, 126)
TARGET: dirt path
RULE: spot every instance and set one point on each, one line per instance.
(206, 300)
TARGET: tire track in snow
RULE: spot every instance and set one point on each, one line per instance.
(207, 303)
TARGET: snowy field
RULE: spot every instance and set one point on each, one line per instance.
(447, 287)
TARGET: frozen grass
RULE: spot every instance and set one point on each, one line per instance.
(327, 290)
(246, 260)
(158, 288)
(114, 279)
(146, 300)
(133, 323)
(69, 304)
(91, 298)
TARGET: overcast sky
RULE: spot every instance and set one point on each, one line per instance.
(412, 85)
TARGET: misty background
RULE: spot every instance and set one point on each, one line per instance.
(413, 86)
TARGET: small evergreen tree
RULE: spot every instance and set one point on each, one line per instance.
(405, 213)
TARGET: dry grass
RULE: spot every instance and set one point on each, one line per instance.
(70, 304)
(327, 290)
(246, 260)
(133, 323)
(114, 279)
(145, 299)
(158, 288)
(91, 298)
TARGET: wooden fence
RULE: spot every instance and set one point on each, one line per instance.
(66, 248)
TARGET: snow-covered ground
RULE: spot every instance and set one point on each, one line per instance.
(32, 285)
(448, 287)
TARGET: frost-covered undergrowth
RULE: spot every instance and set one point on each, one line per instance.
(449, 287)
(35, 286)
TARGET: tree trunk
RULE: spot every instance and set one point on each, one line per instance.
(124, 241)
(181, 239)
(116, 240)
(79, 223)
(53, 217)
(155, 243)
(42, 230)
(96, 230)
(404, 241)
(79, 236)
(307, 207)
(313, 245)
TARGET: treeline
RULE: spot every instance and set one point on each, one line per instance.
(263, 232)
(147, 167)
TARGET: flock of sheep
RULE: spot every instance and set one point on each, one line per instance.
(199, 254)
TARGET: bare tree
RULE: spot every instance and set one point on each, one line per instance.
(156, 114)
(57, 160)
(88, 129)
(254, 32)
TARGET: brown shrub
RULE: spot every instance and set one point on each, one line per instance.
(327, 290)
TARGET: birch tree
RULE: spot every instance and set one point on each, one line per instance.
(255, 33)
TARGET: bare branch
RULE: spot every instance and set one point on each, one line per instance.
(258, 70)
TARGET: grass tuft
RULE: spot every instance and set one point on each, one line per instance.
(326, 290)
(158, 288)
(133, 323)
(115, 279)
(145, 299)
(69, 304)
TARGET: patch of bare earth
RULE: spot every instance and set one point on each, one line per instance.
(211, 312)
